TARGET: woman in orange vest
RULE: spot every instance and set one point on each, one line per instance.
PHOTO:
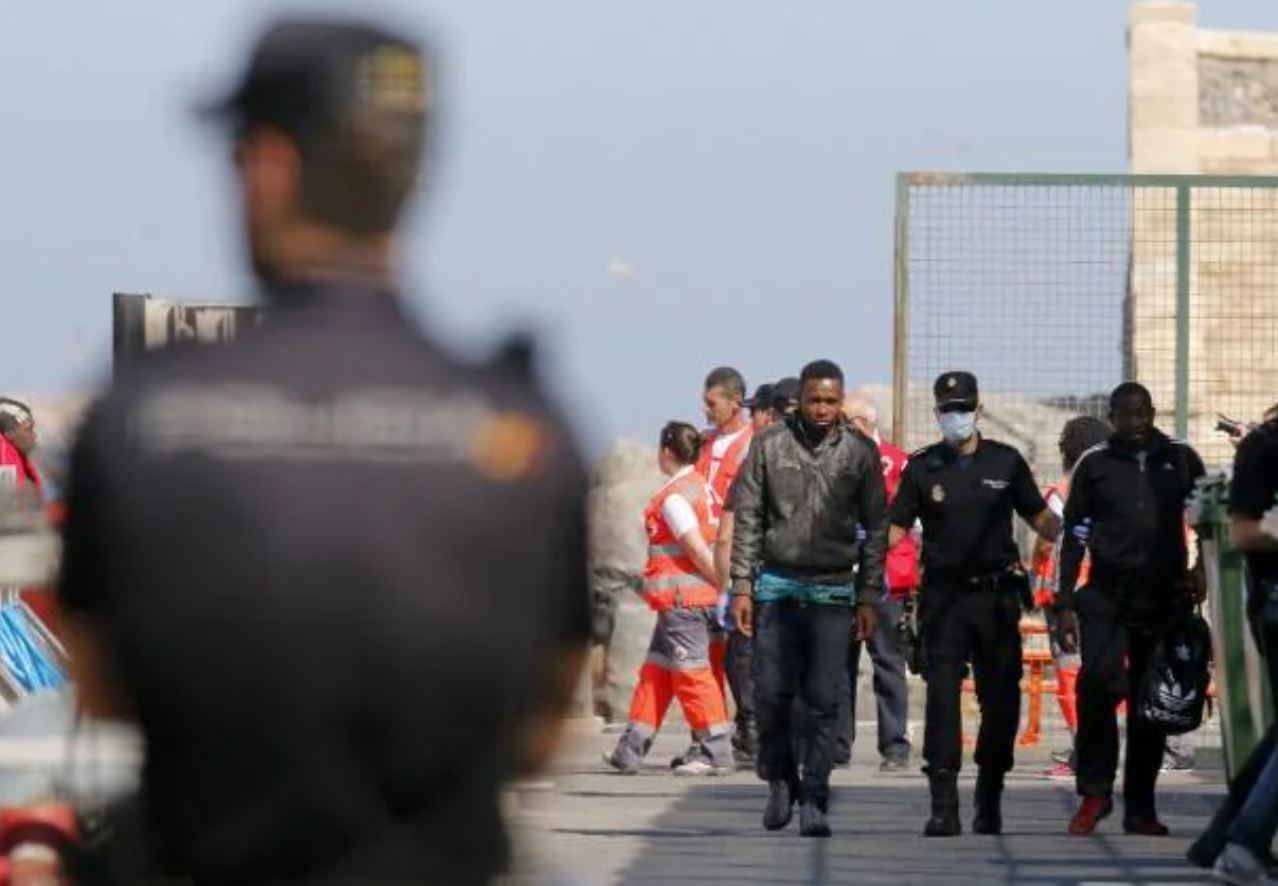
(1079, 435)
(680, 583)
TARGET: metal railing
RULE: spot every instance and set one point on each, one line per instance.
(1055, 288)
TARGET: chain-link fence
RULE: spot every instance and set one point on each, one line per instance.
(1055, 288)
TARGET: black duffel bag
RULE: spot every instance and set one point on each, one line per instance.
(1173, 689)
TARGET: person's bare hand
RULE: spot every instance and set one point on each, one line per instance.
(1067, 630)
(867, 621)
(742, 609)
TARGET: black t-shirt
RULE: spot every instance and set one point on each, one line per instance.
(966, 505)
(1254, 490)
(333, 566)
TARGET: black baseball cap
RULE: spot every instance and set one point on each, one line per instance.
(311, 76)
(762, 398)
(956, 391)
(785, 393)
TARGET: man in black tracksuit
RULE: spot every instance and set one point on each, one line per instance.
(1127, 507)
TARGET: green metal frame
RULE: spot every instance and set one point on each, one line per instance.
(1241, 682)
(1031, 179)
(1184, 186)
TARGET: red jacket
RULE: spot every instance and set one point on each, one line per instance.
(16, 470)
(902, 563)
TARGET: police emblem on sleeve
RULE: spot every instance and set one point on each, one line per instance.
(938, 493)
(509, 447)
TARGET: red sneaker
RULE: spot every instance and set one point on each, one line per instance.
(1144, 826)
(1090, 813)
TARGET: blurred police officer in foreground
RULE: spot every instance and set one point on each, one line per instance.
(965, 490)
(336, 578)
(1126, 507)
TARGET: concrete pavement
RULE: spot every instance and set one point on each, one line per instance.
(592, 827)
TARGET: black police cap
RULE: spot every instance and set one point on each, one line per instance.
(762, 398)
(310, 76)
(785, 393)
(956, 389)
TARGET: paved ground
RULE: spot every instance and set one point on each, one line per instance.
(583, 825)
(654, 828)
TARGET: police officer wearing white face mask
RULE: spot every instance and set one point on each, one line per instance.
(965, 490)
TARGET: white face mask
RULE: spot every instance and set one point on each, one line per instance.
(957, 427)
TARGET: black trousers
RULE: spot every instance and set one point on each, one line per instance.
(891, 690)
(799, 651)
(1117, 641)
(962, 624)
(739, 665)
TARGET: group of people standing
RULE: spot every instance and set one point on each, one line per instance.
(808, 521)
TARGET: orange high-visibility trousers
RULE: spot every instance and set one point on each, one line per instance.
(678, 667)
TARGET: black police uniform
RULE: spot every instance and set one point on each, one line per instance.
(1253, 491)
(971, 601)
(1126, 509)
(332, 564)
(969, 610)
(337, 571)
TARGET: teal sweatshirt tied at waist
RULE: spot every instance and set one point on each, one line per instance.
(770, 587)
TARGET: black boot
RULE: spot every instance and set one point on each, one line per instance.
(989, 796)
(945, 806)
(812, 821)
(813, 806)
(780, 808)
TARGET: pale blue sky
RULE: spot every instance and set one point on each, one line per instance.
(739, 153)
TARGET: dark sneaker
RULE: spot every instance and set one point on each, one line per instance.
(621, 761)
(812, 821)
(1091, 812)
(692, 753)
(1064, 758)
(703, 767)
(895, 762)
(780, 808)
(1144, 826)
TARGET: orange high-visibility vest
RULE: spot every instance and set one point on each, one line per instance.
(723, 473)
(670, 578)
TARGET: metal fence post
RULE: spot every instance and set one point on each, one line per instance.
(1182, 309)
(900, 364)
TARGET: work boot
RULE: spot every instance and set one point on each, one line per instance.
(780, 808)
(812, 821)
(945, 806)
(989, 796)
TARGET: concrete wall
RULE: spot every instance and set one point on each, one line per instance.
(1205, 102)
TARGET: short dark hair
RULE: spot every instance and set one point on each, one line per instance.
(1128, 390)
(821, 370)
(1081, 434)
(727, 378)
(683, 440)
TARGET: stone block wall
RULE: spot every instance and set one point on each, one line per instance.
(1205, 102)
